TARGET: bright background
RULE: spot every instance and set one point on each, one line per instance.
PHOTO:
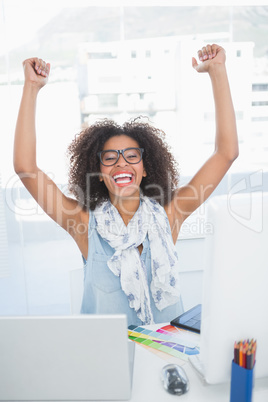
(146, 69)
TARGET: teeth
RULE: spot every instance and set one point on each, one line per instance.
(118, 176)
(124, 181)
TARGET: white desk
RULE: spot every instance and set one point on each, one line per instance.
(147, 385)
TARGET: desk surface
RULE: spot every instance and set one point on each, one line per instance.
(147, 385)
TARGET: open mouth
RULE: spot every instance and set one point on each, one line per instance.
(123, 178)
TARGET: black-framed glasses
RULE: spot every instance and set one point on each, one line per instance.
(110, 157)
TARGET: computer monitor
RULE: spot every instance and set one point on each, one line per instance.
(235, 290)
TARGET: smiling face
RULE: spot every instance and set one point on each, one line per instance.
(122, 179)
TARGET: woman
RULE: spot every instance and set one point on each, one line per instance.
(128, 208)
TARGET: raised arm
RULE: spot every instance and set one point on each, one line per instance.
(36, 76)
(191, 196)
(65, 211)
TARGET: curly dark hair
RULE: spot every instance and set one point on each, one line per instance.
(160, 165)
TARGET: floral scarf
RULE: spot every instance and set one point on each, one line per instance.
(151, 219)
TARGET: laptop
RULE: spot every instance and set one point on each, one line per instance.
(74, 358)
(235, 296)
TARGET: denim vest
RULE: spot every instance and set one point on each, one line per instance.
(102, 289)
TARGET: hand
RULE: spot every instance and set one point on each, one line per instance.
(209, 56)
(36, 71)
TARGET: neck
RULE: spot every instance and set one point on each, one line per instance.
(126, 207)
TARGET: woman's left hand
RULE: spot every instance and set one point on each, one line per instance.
(209, 56)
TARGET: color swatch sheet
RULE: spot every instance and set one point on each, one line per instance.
(172, 340)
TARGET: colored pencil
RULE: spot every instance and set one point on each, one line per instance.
(249, 360)
(245, 353)
(241, 355)
(236, 353)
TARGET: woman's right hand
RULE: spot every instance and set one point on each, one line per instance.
(36, 72)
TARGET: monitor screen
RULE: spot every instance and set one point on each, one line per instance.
(235, 289)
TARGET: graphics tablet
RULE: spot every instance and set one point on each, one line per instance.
(190, 320)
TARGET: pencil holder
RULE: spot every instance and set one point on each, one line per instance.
(241, 384)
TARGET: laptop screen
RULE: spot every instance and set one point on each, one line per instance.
(77, 358)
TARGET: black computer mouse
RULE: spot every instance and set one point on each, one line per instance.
(174, 379)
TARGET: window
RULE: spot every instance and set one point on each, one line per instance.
(260, 87)
(109, 79)
(108, 100)
(260, 118)
(260, 103)
(102, 55)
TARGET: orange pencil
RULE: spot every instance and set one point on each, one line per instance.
(254, 351)
(241, 355)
